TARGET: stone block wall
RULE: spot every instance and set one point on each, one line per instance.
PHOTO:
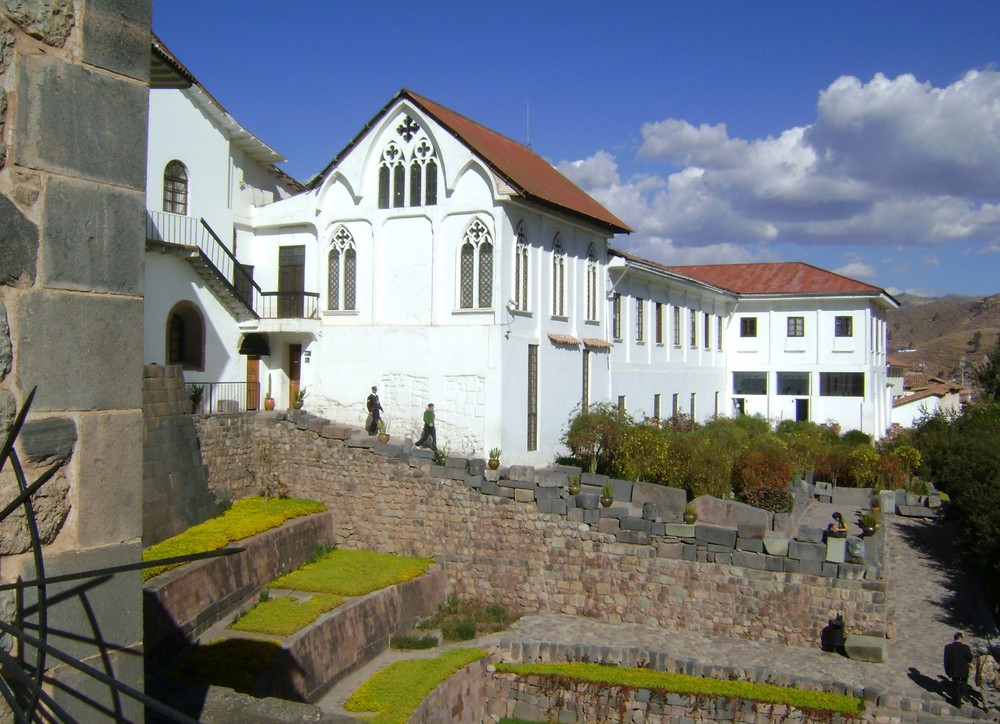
(182, 603)
(73, 124)
(502, 547)
(175, 493)
(461, 698)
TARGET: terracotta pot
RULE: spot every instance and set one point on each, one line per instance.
(268, 403)
(494, 464)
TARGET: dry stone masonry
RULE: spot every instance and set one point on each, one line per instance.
(517, 538)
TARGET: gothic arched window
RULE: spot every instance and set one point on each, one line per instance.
(343, 271)
(476, 267)
(175, 188)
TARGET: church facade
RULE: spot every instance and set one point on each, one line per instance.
(445, 263)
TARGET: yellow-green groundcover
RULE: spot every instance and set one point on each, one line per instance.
(398, 689)
(353, 573)
(694, 685)
(285, 615)
(245, 518)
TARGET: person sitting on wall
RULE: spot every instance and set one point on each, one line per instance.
(839, 526)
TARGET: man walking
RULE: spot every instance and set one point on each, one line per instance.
(374, 412)
(957, 658)
(429, 436)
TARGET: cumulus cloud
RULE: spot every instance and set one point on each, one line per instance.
(891, 162)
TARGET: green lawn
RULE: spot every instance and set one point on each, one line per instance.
(395, 691)
(284, 615)
(353, 573)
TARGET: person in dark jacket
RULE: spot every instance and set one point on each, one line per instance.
(374, 412)
(957, 660)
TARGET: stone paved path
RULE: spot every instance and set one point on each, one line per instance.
(930, 597)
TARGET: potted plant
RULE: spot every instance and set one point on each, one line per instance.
(494, 461)
(268, 400)
(196, 394)
(690, 514)
(383, 431)
(870, 523)
(300, 398)
(573, 480)
(607, 495)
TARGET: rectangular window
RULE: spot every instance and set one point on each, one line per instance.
(842, 384)
(707, 331)
(591, 292)
(621, 403)
(793, 383)
(748, 326)
(693, 324)
(244, 283)
(640, 323)
(585, 397)
(716, 404)
(718, 333)
(749, 383)
(559, 286)
(532, 397)
(656, 406)
(796, 326)
(843, 326)
(677, 326)
(659, 324)
(676, 404)
(616, 317)
(692, 408)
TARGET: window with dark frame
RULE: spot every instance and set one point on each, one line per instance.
(693, 326)
(843, 326)
(796, 326)
(175, 188)
(476, 268)
(658, 321)
(748, 326)
(842, 384)
(640, 323)
(616, 317)
(532, 435)
(677, 326)
(708, 331)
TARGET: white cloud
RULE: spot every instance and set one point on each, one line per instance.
(891, 162)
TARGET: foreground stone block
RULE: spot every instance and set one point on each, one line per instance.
(715, 534)
(872, 649)
(729, 513)
(776, 546)
(670, 501)
(836, 550)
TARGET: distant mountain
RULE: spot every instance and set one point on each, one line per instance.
(935, 333)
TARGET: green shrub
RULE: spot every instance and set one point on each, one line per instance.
(459, 629)
(408, 642)
(594, 436)
(768, 498)
(243, 519)
(856, 437)
(454, 617)
(643, 454)
(862, 467)
(395, 691)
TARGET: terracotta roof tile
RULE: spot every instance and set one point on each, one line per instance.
(528, 173)
(563, 339)
(775, 278)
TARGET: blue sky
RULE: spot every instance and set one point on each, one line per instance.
(862, 137)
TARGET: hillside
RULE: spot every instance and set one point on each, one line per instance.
(941, 330)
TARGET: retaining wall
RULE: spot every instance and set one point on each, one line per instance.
(182, 603)
(505, 549)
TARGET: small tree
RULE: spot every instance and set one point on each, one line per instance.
(987, 375)
(594, 436)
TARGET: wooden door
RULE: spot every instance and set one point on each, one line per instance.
(294, 370)
(291, 281)
(253, 382)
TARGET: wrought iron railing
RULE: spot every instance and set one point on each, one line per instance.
(213, 398)
(289, 305)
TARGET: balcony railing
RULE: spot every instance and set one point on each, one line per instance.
(224, 397)
(288, 305)
(196, 233)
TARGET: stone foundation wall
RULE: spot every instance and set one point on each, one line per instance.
(498, 549)
(182, 603)
(175, 492)
(461, 698)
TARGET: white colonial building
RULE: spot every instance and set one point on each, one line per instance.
(446, 263)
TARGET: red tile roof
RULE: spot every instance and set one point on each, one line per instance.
(528, 173)
(775, 278)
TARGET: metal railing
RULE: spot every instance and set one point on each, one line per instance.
(289, 305)
(212, 398)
